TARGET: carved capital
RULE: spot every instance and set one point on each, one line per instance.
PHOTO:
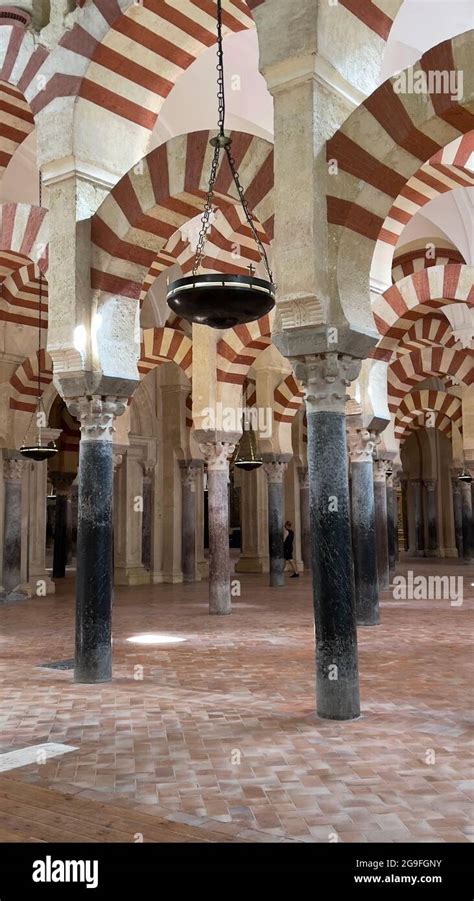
(380, 470)
(116, 461)
(217, 455)
(148, 467)
(325, 378)
(275, 470)
(361, 445)
(96, 415)
(189, 477)
(303, 475)
(62, 481)
(430, 484)
(13, 469)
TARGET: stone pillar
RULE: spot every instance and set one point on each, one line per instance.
(62, 482)
(305, 523)
(364, 543)
(275, 472)
(11, 579)
(381, 527)
(457, 511)
(467, 522)
(189, 474)
(325, 379)
(392, 532)
(93, 658)
(433, 547)
(217, 455)
(404, 489)
(39, 578)
(417, 549)
(148, 467)
(253, 523)
(128, 516)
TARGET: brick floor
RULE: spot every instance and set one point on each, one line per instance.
(219, 731)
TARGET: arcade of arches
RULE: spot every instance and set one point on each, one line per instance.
(359, 386)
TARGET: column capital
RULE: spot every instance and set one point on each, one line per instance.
(62, 481)
(217, 455)
(380, 470)
(13, 469)
(189, 474)
(117, 460)
(275, 470)
(303, 475)
(325, 378)
(148, 467)
(361, 444)
(430, 484)
(96, 415)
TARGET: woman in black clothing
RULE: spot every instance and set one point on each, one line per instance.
(288, 549)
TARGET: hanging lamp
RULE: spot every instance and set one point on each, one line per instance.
(222, 301)
(247, 456)
(39, 451)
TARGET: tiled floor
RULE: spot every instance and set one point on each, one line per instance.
(219, 730)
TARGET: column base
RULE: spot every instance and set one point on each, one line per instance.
(40, 577)
(203, 567)
(190, 579)
(131, 575)
(15, 595)
(252, 565)
(173, 578)
(156, 578)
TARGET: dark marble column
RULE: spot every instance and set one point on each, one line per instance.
(217, 455)
(93, 658)
(275, 472)
(419, 548)
(62, 482)
(467, 522)
(431, 506)
(361, 448)
(392, 536)
(457, 510)
(11, 578)
(404, 489)
(381, 525)
(325, 379)
(305, 522)
(189, 474)
(148, 467)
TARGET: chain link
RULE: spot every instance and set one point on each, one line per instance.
(222, 142)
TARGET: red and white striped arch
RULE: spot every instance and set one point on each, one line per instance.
(23, 65)
(409, 134)
(161, 345)
(288, 398)
(428, 253)
(146, 208)
(24, 381)
(16, 122)
(418, 403)
(230, 244)
(395, 311)
(237, 352)
(427, 331)
(440, 422)
(377, 15)
(24, 231)
(127, 56)
(407, 370)
(21, 291)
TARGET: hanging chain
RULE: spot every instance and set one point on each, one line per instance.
(248, 214)
(222, 142)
